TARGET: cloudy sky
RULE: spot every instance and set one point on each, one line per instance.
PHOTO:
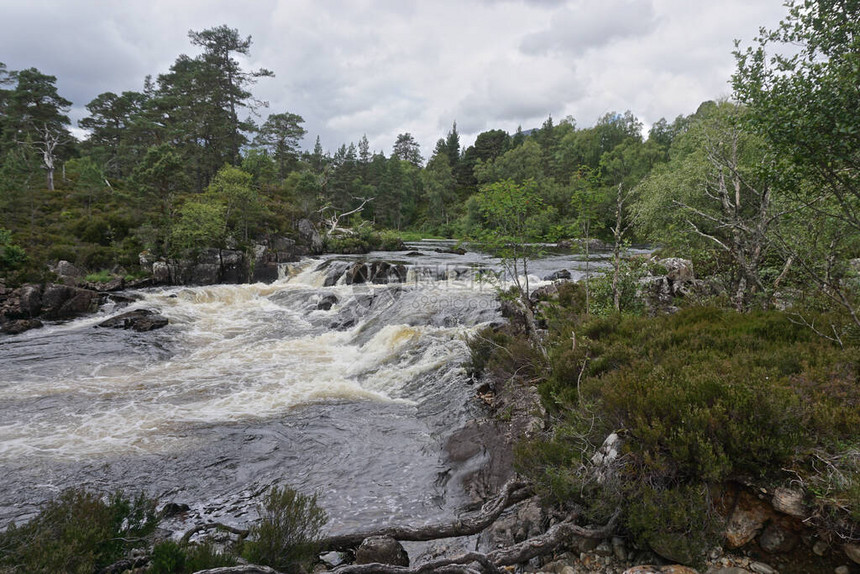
(383, 67)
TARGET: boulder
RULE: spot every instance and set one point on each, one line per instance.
(24, 302)
(356, 274)
(327, 302)
(381, 550)
(65, 302)
(747, 520)
(138, 320)
(65, 269)
(677, 269)
(19, 326)
(560, 275)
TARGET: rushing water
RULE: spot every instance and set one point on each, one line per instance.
(255, 385)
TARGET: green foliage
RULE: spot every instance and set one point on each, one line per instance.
(12, 256)
(78, 532)
(169, 557)
(601, 300)
(286, 535)
(200, 225)
(103, 276)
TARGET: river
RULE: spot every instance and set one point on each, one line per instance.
(256, 385)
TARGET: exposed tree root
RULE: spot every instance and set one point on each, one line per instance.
(491, 563)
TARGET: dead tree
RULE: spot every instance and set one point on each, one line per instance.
(333, 218)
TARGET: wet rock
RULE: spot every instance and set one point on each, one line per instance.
(356, 274)
(777, 540)
(560, 275)
(327, 302)
(789, 501)
(746, 521)
(382, 550)
(141, 320)
(18, 326)
(65, 302)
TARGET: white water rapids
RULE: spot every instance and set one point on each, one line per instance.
(251, 386)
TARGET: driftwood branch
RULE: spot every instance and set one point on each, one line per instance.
(512, 492)
(492, 562)
(243, 569)
(210, 526)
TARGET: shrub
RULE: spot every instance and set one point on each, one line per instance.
(700, 398)
(286, 535)
(170, 557)
(78, 532)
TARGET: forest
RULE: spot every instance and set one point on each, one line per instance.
(761, 190)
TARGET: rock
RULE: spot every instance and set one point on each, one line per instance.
(777, 540)
(327, 302)
(561, 275)
(312, 237)
(233, 267)
(729, 570)
(138, 320)
(173, 509)
(678, 270)
(852, 551)
(842, 570)
(382, 550)
(65, 302)
(547, 292)
(605, 456)
(357, 274)
(789, 501)
(762, 568)
(604, 549)
(820, 548)
(161, 272)
(65, 269)
(26, 302)
(648, 569)
(618, 548)
(746, 521)
(18, 326)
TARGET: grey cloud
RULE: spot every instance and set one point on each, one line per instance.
(584, 26)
